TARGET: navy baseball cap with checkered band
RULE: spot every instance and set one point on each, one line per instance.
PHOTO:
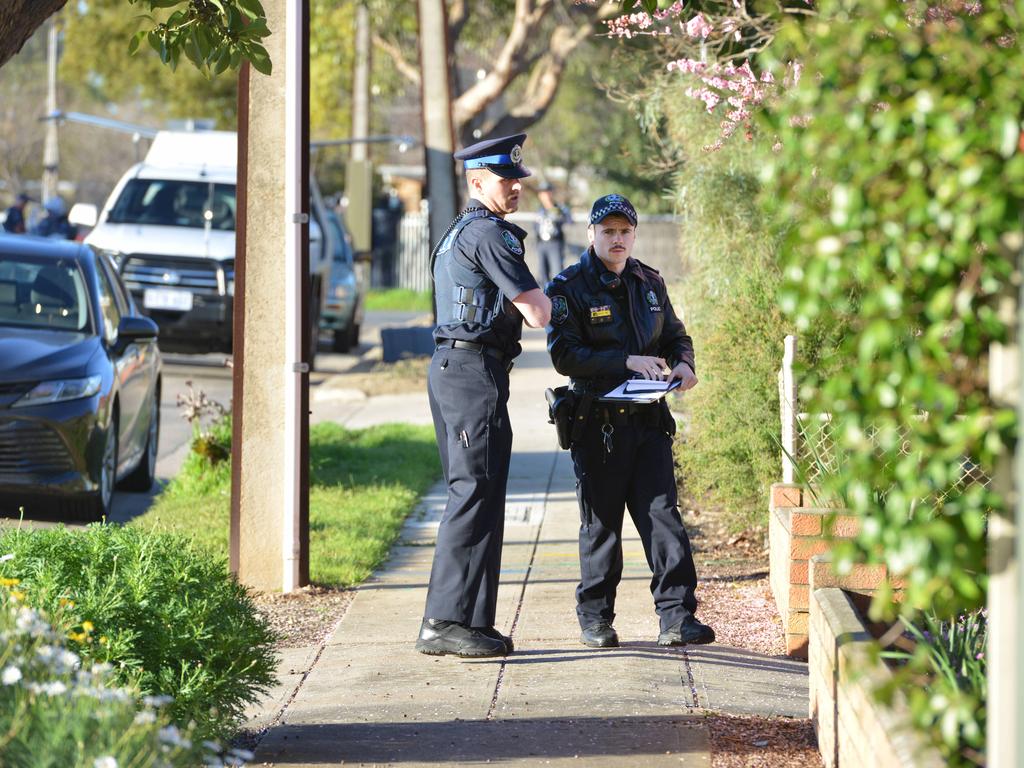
(503, 156)
(605, 206)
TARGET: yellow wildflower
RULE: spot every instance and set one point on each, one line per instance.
(17, 594)
(9, 582)
(87, 626)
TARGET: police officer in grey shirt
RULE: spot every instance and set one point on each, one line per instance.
(484, 292)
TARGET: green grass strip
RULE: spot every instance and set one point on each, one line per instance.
(398, 299)
(364, 483)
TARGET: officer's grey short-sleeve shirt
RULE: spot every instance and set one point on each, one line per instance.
(492, 249)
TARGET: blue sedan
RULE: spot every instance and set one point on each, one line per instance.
(79, 381)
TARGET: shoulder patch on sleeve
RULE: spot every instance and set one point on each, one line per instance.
(512, 242)
(568, 273)
(559, 309)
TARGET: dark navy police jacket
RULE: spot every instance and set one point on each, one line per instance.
(592, 333)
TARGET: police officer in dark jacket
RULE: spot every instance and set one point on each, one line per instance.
(484, 291)
(611, 319)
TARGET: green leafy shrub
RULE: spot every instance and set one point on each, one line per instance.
(56, 712)
(901, 198)
(729, 302)
(167, 615)
(207, 468)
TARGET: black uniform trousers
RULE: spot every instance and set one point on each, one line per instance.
(469, 403)
(550, 254)
(637, 474)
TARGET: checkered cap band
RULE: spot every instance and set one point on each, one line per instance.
(606, 206)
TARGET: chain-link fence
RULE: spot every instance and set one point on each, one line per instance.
(810, 450)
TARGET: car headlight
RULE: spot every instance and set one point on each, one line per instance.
(59, 391)
(342, 290)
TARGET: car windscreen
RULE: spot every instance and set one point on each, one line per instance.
(43, 293)
(173, 203)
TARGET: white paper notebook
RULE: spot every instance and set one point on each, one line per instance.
(642, 390)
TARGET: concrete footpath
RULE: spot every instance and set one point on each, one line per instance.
(368, 698)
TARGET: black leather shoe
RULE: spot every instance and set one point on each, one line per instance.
(600, 634)
(495, 634)
(687, 632)
(438, 638)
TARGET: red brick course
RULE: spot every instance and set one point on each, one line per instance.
(799, 553)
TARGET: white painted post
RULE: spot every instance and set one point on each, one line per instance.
(1005, 667)
(295, 190)
(788, 409)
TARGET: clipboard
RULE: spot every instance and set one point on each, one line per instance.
(641, 390)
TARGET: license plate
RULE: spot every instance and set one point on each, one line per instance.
(167, 298)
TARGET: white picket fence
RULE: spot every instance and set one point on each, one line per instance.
(658, 246)
(413, 268)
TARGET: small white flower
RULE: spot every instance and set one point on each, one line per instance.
(145, 718)
(171, 736)
(157, 701)
(54, 688)
(5, 558)
(10, 675)
(105, 762)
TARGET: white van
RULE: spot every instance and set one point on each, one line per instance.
(169, 225)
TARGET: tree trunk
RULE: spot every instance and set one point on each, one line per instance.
(19, 19)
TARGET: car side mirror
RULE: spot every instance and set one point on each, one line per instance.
(134, 328)
(83, 215)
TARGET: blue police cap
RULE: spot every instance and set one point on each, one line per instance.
(503, 156)
(605, 206)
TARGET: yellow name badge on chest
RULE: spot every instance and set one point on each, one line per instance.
(602, 314)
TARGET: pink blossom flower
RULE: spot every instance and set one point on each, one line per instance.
(698, 26)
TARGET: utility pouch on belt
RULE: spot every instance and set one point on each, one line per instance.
(561, 405)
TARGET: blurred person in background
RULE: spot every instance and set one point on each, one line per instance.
(551, 219)
(54, 221)
(14, 220)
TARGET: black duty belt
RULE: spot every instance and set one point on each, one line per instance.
(618, 414)
(483, 349)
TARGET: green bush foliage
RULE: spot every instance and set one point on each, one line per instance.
(902, 199)
(56, 712)
(166, 615)
(731, 452)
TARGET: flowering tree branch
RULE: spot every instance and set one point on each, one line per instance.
(214, 35)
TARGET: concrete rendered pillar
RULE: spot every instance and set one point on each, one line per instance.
(269, 381)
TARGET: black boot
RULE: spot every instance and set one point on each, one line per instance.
(600, 634)
(495, 634)
(687, 632)
(438, 638)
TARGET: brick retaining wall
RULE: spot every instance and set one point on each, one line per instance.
(853, 729)
(795, 536)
